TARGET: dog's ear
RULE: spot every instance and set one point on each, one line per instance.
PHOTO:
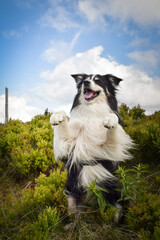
(113, 79)
(78, 77)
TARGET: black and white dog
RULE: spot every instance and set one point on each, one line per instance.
(92, 142)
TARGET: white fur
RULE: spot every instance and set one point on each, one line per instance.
(72, 206)
(119, 212)
(61, 134)
(110, 120)
(85, 138)
(90, 173)
(57, 118)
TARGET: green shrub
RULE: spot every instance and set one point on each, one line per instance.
(28, 147)
(137, 113)
(145, 131)
(50, 189)
(144, 217)
(41, 229)
(147, 139)
(35, 207)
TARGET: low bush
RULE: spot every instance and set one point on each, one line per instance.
(49, 190)
(145, 131)
(144, 217)
(35, 208)
(28, 148)
(42, 228)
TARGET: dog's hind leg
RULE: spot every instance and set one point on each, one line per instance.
(72, 204)
(118, 214)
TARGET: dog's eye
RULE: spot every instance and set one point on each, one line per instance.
(97, 80)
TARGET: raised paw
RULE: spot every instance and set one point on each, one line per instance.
(110, 121)
(57, 118)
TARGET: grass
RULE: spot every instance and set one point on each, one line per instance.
(84, 228)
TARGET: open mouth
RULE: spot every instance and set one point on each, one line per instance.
(90, 94)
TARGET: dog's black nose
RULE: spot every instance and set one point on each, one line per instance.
(86, 83)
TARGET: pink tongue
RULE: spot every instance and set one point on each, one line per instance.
(88, 95)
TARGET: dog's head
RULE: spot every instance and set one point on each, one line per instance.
(94, 88)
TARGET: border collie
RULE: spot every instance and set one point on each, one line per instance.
(92, 142)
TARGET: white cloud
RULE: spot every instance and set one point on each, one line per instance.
(93, 10)
(137, 87)
(47, 75)
(60, 50)
(18, 109)
(137, 41)
(148, 58)
(58, 18)
(143, 12)
(11, 34)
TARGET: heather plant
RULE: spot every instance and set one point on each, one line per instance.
(49, 190)
(28, 147)
(37, 211)
(144, 216)
(42, 228)
(145, 131)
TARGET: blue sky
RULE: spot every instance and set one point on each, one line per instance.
(43, 42)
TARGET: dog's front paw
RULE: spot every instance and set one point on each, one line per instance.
(57, 118)
(110, 121)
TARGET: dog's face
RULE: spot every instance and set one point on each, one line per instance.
(94, 88)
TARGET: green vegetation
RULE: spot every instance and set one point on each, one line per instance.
(145, 130)
(131, 184)
(33, 206)
(27, 147)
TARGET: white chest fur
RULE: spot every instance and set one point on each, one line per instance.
(84, 138)
(88, 133)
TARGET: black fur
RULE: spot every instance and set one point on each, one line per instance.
(72, 188)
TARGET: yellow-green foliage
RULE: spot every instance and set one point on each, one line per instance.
(42, 228)
(50, 189)
(36, 209)
(27, 147)
(144, 217)
(145, 131)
